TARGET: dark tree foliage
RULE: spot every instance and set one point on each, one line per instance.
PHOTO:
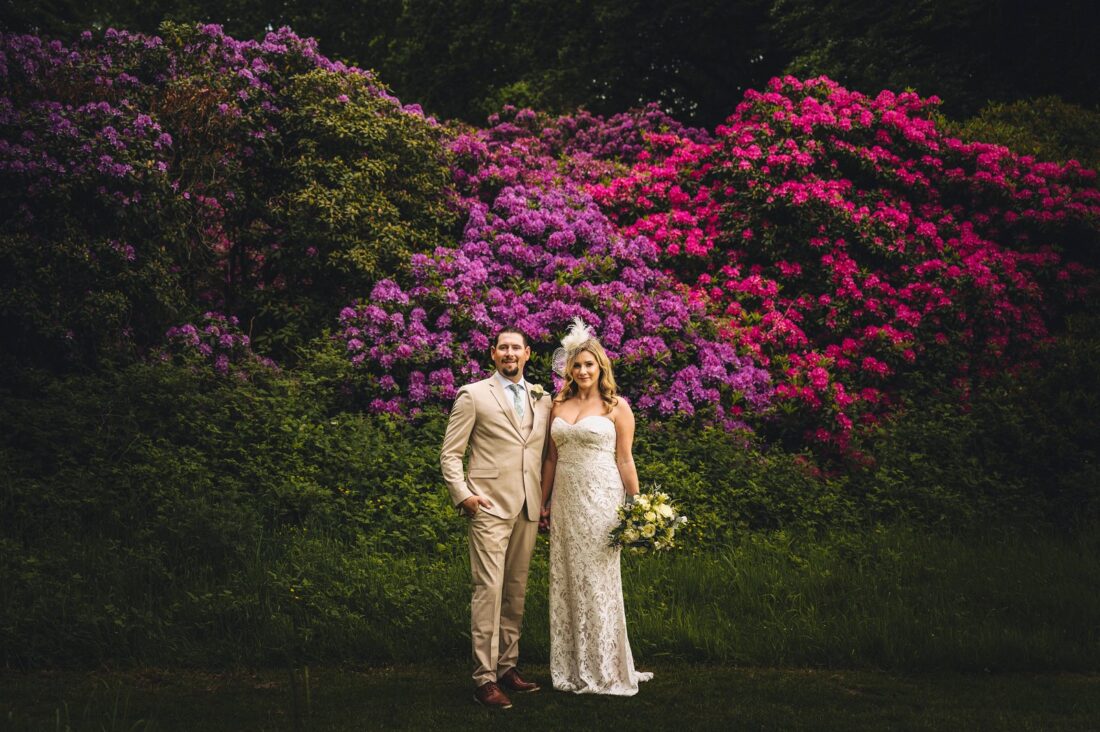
(1046, 127)
(465, 58)
(694, 58)
(967, 52)
(58, 17)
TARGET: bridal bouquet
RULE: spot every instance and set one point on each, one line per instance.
(649, 523)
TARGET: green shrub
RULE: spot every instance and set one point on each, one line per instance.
(730, 484)
(126, 492)
(161, 511)
(1046, 127)
(1023, 449)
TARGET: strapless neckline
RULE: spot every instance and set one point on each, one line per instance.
(590, 416)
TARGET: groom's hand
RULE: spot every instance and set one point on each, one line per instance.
(473, 504)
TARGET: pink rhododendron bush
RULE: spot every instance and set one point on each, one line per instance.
(855, 251)
(798, 269)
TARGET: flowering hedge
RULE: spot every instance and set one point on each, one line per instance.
(842, 243)
(802, 266)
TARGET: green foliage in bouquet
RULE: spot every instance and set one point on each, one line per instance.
(647, 523)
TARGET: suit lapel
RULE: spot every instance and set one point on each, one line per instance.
(537, 416)
(504, 400)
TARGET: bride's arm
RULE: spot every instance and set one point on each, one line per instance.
(549, 464)
(624, 440)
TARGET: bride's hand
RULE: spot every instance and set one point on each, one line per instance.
(544, 519)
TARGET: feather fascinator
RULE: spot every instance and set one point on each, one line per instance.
(579, 334)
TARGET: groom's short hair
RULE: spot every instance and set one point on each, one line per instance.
(511, 329)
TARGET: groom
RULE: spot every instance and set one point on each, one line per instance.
(502, 420)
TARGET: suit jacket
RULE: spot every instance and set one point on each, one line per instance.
(505, 464)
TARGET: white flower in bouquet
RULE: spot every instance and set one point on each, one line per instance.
(648, 523)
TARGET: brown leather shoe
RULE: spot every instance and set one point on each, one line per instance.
(512, 681)
(490, 695)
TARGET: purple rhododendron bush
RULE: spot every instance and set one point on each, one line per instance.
(538, 251)
(794, 272)
(148, 181)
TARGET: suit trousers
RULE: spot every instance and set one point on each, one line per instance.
(500, 556)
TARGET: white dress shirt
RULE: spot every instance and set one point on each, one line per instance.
(507, 384)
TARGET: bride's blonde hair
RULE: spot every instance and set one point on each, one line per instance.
(609, 390)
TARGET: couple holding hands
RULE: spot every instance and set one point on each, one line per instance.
(515, 481)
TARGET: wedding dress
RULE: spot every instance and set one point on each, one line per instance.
(589, 649)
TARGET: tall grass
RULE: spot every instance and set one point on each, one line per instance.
(892, 598)
(895, 599)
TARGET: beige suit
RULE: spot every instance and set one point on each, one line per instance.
(505, 466)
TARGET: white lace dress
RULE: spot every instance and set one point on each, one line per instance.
(589, 649)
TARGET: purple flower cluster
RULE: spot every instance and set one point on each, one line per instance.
(115, 134)
(174, 146)
(621, 138)
(536, 252)
(216, 341)
(523, 146)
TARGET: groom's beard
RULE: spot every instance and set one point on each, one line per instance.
(509, 369)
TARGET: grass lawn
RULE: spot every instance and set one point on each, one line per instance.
(681, 696)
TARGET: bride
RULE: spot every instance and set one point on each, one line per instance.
(587, 469)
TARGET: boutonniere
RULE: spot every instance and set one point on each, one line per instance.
(537, 392)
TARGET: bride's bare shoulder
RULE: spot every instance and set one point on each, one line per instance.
(621, 409)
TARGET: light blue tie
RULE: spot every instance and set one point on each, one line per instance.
(517, 400)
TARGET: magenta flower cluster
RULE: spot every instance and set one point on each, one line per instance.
(851, 244)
